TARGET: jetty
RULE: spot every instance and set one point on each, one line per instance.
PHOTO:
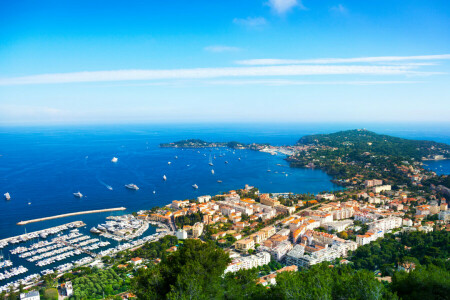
(71, 214)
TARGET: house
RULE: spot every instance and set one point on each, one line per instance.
(244, 245)
(406, 266)
(136, 260)
(34, 295)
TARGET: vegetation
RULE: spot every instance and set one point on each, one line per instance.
(99, 284)
(385, 254)
(149, 250)
(196, 272)
(430, 282)
(190, 219)
(360, 141)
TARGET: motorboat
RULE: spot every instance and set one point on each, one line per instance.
(131, 186)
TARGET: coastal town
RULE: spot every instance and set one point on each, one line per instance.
(272, 233)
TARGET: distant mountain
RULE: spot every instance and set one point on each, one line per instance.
(361, 140)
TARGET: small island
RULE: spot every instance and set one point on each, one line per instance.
(197, 143)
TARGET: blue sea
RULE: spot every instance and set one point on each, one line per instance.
(41, 167)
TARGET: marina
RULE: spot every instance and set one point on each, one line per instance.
(40, 233)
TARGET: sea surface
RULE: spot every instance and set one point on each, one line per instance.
(41, 167)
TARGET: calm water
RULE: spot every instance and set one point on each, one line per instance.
(42, 167)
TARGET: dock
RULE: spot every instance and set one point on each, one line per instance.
(71, 214)
(58, 228)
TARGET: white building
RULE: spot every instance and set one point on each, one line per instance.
(34, 295)
(325, 197)
(386, 224)
(69, 288)
(381, 188)
(369, 237)
(407, 222)
(181, 234)
(248, 262)
(204, 199)
(280, 251)
(338, 226)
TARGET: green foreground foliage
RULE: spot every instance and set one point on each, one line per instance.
(196, 272)
(99, 284)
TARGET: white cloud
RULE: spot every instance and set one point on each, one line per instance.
(376, 59)
(251, 22)
(340, 9)
(282, 82)
(280, 7)
(220, 48)
(201, 73)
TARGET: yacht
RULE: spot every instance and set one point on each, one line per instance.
(219, 181)
(164, 177)
(195, 186)
(212, 172)
(114, 159)
(43, 235)
(78, 194)
(101, 228)
(7, 196)
(95, 230)
(131, 186)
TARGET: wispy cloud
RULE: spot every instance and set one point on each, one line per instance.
(201, 73)
(221, 48)
(375, 59)
(282, 82)
(281, 7)
(251, 22)
(339, 9)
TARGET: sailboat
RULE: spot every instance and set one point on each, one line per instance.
(210, 161)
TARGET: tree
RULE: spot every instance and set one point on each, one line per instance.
(192, 272)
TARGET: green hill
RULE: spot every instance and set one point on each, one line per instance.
(361, 140)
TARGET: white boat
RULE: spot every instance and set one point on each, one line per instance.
(212, 172)
(219, 181)
(195, 186)
(239, 158)
(109, 187)
(210, 161)
(95, 230)
(226, 161)
(131, 186)
(78, 194)
(176, 157)
(7, 196)
(164, 177)
(114, 159)
(168, 162)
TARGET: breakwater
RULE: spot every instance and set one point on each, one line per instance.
(71, 214)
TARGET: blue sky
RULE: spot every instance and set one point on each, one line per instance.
(224, 61)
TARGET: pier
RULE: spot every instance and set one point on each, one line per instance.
(71, 214)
